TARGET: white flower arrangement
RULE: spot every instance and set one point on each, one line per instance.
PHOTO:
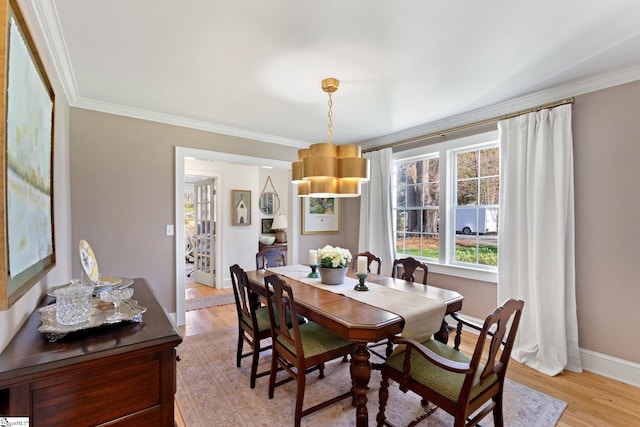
(330, 257)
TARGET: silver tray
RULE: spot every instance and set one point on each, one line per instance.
(107, 286)
(99, 312)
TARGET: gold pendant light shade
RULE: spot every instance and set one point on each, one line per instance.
(329, 170)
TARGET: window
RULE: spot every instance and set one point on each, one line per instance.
(446, 207)
(477, 187)
(418, 206)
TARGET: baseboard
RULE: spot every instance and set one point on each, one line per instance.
(611, 367)
(598, 363)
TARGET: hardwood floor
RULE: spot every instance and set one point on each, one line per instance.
(593, 400)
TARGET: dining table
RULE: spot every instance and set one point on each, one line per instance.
(391, 306)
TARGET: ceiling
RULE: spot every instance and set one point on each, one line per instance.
(253, 68)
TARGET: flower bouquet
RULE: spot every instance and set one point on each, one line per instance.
(333, 264)
(330, 257)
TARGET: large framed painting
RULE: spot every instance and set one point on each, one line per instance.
(241, 200)
(320, 215)
(26, 180)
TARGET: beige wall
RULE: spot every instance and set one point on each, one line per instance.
(122, 196)
(606, 129)
(123, 192)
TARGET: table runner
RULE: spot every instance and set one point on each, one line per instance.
(422, 315)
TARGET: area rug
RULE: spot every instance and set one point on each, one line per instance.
(210, 301)
(211, 391)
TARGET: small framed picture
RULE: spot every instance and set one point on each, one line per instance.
(266, 226)
(241, 204)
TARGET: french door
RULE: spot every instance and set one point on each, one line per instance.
(205, 218)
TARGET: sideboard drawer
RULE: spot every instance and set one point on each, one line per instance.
(95, 395)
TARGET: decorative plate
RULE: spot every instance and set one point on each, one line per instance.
(88, 261)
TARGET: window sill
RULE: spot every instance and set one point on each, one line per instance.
(463, 272)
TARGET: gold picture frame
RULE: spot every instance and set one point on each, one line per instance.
(320, 215)
(27, 249)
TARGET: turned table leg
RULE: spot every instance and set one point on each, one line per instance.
(360, 375)
(443, 334)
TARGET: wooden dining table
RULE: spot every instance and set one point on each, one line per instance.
(360, 322)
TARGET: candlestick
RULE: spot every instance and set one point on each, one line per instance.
(313, 263)
(314, 274)
(361, 286)
(362, 265)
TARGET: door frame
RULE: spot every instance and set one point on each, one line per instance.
(182, 153)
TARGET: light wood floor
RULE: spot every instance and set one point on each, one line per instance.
(593, 400)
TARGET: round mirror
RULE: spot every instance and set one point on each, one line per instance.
(269, 203)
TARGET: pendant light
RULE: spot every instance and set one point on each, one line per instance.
(329, 170)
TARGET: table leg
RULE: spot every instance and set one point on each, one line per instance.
(360, 374)
(443, 334)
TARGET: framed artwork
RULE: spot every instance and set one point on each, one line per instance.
(26, 180)
(320, 215)
(241, 204)
(266, 226)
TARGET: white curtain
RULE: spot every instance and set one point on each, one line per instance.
(536, 259)
(376, 221)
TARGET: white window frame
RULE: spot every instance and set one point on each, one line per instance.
(446, 152)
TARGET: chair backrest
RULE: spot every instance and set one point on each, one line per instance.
(247, 300)
(370, 259)
(270, 258)
(409, 266)
(282, 306)
(500, 327)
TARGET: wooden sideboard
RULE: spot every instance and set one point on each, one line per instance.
(116, 375)
(274, 246)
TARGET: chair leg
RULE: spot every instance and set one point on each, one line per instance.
(321, 369)
(240, 342)
(274, 372)
(497, 411)
(254, 362)
(301, 380)
(383, 396)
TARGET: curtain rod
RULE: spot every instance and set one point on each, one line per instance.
(470, 125)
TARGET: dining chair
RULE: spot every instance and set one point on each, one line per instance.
(371, 258)
(451, 380)
(270, 258)
(409, 266)
(300, 349)
(253, 322)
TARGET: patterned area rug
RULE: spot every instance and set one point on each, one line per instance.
(212, 391)
(210, 301)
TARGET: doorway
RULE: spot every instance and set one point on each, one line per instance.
(181, 155)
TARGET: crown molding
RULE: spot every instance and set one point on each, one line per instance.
(45, 15)
(510, 106)
(137, 113)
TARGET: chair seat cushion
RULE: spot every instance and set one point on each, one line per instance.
(262, 316)
(317, 339)
(443, 382)
(264, 324)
